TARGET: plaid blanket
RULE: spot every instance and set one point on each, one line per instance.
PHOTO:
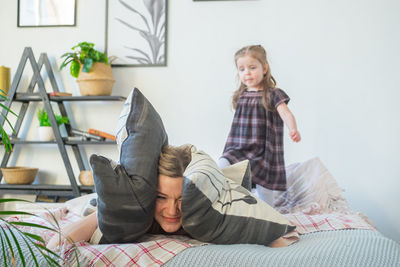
(307, 223)
(155, 250)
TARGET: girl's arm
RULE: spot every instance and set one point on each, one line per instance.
(290, 121)
(81, 230)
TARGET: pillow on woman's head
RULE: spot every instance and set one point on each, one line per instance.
(127, 192)
(218, 210)
(140, 136)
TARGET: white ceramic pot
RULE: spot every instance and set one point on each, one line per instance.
(46, 133)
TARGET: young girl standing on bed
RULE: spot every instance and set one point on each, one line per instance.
(257, 129)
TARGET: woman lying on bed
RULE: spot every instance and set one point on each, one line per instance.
(167, 215)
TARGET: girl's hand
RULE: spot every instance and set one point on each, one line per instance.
(290, 121)
(295, 136)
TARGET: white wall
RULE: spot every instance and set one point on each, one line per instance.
(337, 60)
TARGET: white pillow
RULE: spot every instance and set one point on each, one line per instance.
(310, 186)
(218, 210)
(79, 204)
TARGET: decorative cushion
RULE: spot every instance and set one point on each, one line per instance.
(312, 188)
(240, 173)
(218, 210)
(127, 192)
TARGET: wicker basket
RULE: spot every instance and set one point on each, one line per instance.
(98, 81)
(86, 178)
(19, 175)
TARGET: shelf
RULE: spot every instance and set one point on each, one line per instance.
(86, 142)
(49, 190)
(28, 97)
(43, 95)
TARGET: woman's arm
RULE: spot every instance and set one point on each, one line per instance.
(290, 121)
(81, 230)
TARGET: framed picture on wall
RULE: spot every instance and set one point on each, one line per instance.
(136, 32)
(46, 13)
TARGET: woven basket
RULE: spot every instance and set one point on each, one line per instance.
(86, 178)
(98, 81)
(19, 175)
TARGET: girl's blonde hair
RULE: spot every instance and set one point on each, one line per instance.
(257, 52)
(174, 160)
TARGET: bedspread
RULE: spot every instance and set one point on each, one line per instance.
(155, 250)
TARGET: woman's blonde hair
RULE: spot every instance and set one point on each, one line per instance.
(174, 160)
(257, 52)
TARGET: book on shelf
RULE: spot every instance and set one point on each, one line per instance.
(102, 134)
(60, 94)
(87, 135)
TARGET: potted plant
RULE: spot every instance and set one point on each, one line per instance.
(21, 247)
(91, 68)
(11, 237)
(45, 131)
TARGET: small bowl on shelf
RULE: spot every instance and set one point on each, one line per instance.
(86, 178)
(19, 175)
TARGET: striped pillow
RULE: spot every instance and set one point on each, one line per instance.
(218, 210)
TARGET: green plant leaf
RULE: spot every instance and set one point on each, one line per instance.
(48, 251)
(69, 54)
(3, 249)
(30, 250)
(61, 120)
(21, 255)
(66, 62)
(87, 64)
(45, 121)
(9, 246)
(3, 94)
(6, 141)
(4, 200)
(9, 110)
(9, 241)
(74, 69)
(35, 237)
(32, 225)
(12, 212)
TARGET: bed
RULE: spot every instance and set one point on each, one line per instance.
(331, 234)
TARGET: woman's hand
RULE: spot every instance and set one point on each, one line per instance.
(81, 230)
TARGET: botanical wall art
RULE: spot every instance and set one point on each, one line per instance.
(136, 32)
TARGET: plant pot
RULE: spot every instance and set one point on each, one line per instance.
(98, 81)
(46, 133)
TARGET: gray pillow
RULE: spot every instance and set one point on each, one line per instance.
(218, 210)
(127, 191)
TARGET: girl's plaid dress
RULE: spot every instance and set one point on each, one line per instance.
(257, 135)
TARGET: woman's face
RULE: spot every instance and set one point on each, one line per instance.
(168, 205)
